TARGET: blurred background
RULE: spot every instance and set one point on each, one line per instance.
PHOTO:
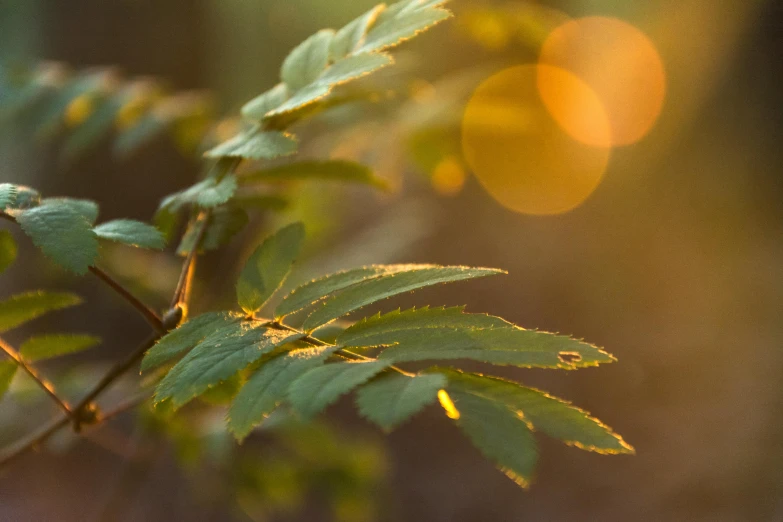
(621, 160)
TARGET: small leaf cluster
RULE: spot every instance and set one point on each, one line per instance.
(278, 364)
(65, 230)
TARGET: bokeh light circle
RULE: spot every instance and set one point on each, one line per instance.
(619, 63)
(520, 154)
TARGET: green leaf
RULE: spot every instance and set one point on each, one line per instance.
(342, 71)
(268, 266)
(267, 387)
(257, 108)
(142, 132)
(7, 372)
(448, 333)
(392, 399)
(553, 416)
(372, 290)
(329, 170)
(8, 193)
(347, 39)
(315, 290)
(22, 308)
(7, 250)
(219, 356)
(130, 232)
(207, 193)
(499, 433)
(393, 30)
(257, 145)
(18, 197)
(307, 61)
(53, 345)
(367, 331)
(320, 387)
(186, 336)
(62, 233)
(84, 207)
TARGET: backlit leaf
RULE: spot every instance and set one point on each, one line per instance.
(376, 289)
(219, 356)
(347, 39)
(268, 266)
(21, 308)
(499, 433)
(207, 193)
(393, 30)
(317, 289)
(392, 399)
(267, 387)
(130, 232)
(53, 345)
(186, 336)
(320, 387)
(85, 207)
(550, 415)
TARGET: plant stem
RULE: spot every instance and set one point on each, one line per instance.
(33, 440)
(149, 314)
(45, 384)
(179, 292)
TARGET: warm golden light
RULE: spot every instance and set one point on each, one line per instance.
(448, 178)
(448, 405)
(520, 154)
(619, 63)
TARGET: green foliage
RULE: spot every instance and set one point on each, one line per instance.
(268, 267)
(54, 345)
(392, 399)
(320, 387)
(491, 426)
(258, 366)
(21, 308)
(267, 387)
(411, 277)
(7, 250)
(132, 233)
(62, 232)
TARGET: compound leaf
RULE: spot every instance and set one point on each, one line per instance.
(392, 399)
(53, 345)
(22, 308)
(268, 266)
(131, 232)
(206, 193)
(257, 108)
(403, 25)
(347, 39)
(186, 336)
(267, 387)
(62, 233)
(410, 278)
(85, 207)
(219, 356)
(320, 387)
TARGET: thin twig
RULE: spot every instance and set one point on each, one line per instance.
(33, 440)
(201, 221)
(44, 383)
(149, 314)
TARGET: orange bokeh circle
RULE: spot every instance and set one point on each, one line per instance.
(619, 63)
(520, 154)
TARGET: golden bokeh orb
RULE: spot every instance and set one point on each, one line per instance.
(517, 150)
(619, 63)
